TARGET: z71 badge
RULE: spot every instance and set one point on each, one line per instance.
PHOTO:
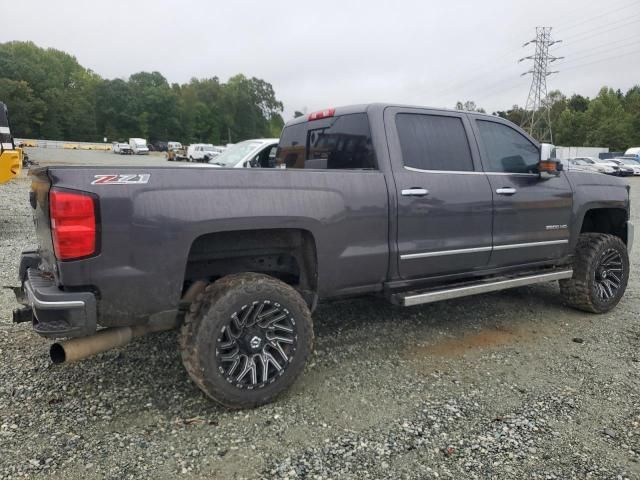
(129, 179)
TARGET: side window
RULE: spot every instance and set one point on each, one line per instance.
(506, 150)
(335, 143)
(433, 142)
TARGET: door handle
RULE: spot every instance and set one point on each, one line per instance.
(415, 192)
(506, 191)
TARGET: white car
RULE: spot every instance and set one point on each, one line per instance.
(595, 165)
(174, 146)
(579, 164)
(629, 162)
(256, 153)
(608, 163)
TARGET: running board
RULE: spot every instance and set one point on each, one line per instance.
(417, 297)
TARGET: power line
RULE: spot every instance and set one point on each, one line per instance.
(572, 67)
(597, 53)
(537, 112)
(623, 22)
(573, 25)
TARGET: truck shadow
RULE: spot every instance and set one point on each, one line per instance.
(149, 375)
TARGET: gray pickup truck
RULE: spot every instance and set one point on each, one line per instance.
(413, 204)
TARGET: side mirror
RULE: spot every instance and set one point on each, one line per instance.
(549, 168)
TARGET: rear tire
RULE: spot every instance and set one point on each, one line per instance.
(600, 273)
(246, 339)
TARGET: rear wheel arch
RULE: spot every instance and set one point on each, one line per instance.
(289, 255)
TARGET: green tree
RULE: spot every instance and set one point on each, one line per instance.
(26, 111)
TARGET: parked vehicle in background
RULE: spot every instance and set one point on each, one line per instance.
(635, 151)
(160, 146)
(217, 150)
(609, 163)
(579, 164)
(176, 152)
(198, 152)
(595, 165)
(631, 163)
(625, 170)
(256, 153)
(139, 146)
(416, 205)
(122, 148)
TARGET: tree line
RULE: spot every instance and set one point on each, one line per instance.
(51, 96)
(611, 119)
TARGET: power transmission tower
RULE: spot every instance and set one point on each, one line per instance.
(537, 114)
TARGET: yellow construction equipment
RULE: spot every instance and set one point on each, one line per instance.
(10, 155)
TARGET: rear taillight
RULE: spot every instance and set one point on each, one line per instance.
(329, 112)
(73, 224)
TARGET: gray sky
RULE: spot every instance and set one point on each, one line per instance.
(328, 53)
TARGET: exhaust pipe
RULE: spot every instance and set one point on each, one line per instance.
(79, 348)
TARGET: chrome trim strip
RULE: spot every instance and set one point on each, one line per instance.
(35, 302)
(450, 172)
(530, 244)
(435, 296)
(514, 174)
(460, 172)
(410, 256)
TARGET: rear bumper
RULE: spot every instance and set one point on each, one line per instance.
(56, 313)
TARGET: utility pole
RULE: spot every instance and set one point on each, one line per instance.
(537, 113)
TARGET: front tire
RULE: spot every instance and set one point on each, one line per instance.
(246, 339)
(600, 273)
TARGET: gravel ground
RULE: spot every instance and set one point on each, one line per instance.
(504, 385)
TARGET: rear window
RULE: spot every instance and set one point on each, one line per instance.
(335, 143)
(434, 142)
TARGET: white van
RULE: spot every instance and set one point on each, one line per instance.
(634, 151)
(139, 146)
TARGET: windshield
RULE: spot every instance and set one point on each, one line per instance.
(233, 155)
(629, 161)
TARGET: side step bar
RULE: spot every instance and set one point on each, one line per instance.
(417, 297)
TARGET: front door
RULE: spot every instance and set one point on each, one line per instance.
(531, 214)
(444, 200)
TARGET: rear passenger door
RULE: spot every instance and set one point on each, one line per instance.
(444, 200)
(531, 214)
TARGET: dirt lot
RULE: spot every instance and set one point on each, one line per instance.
(504, 385)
